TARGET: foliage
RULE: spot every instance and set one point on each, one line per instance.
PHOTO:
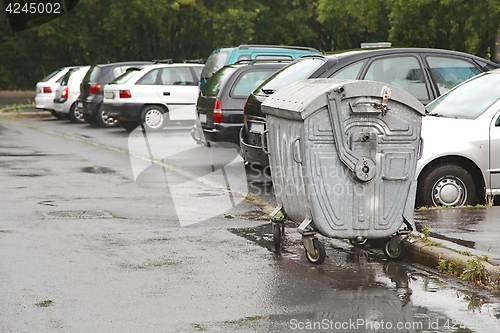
(99, 31)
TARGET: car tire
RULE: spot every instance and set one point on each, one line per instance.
(153, 118)
(129, 126)
(105, 121)
(446, 185)
(75, 114)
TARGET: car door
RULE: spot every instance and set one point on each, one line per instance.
(402, 71)
(495, 153)
(179, 91)
(145, 89)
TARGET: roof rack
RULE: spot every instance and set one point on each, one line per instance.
(193, 61)
(302, 48)
(262, 59)
(375, 45)
(164, 61)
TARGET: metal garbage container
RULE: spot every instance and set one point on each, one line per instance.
(343, 155)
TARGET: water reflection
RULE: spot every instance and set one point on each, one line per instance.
(359, 291)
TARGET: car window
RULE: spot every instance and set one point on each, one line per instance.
(468, 100)
(249, 81)
(298, 70)
(177, 76)
(449, 72)
(213, 84)
(402, 72)
(149, 78)
(93, 74)
(274, 57)
(125, 76)
(215, 62)
(65, 78)
(119, 70)
(197, 72)
(350, 72)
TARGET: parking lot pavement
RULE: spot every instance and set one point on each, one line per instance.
(459, 238)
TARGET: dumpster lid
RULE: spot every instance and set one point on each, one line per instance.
(302, 98)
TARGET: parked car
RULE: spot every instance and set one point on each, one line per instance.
(230, 55)
(220, 103)
(425, 73)
(91, 91)
(460, 163)
(67, 93)
(46, 88)
(153, 95)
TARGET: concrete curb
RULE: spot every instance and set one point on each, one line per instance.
(419, 252)
(27, 114)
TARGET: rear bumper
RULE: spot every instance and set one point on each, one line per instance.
(123, 111)
(252, 153)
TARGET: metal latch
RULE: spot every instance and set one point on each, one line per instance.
(386, 93)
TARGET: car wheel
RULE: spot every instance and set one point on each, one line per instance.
(154, 118)
(129, 125)
(104, 120)
(75, 114)
(446, 185)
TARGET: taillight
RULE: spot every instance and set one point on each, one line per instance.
(47, 90)
(94, 88)
(218, 111)
(64, 93)
(245, 112)
(125, 94)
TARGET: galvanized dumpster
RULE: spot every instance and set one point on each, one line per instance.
(343, 156)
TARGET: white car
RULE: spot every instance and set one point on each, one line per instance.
(46, 90)
(460, 163)
(153, 95)
(67, 93)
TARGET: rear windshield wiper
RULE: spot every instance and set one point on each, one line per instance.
(268, 91)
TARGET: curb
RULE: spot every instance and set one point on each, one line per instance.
(27, 114)
(419, 252)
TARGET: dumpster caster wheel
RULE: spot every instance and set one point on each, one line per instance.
(278, 235)
(397, 254)
(318, 256)
(358, 241)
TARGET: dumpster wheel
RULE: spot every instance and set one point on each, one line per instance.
(318, 255)
(278, 234)
(397, 253)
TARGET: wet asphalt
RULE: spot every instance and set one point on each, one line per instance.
(92, 243)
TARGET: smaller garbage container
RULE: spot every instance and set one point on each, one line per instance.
(343, 157)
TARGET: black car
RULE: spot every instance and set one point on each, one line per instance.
(220, 103)
(424, 73)
(91, 91)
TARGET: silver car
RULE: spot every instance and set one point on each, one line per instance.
(460, 163)
(67, 93)
(46, 89)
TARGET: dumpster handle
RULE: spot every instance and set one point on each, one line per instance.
(296, 151)
(263, 142)
(420, 148)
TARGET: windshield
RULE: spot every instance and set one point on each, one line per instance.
(298, 70)
(215, 62)
(213, 84)
(125, 76)
(468, 100)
